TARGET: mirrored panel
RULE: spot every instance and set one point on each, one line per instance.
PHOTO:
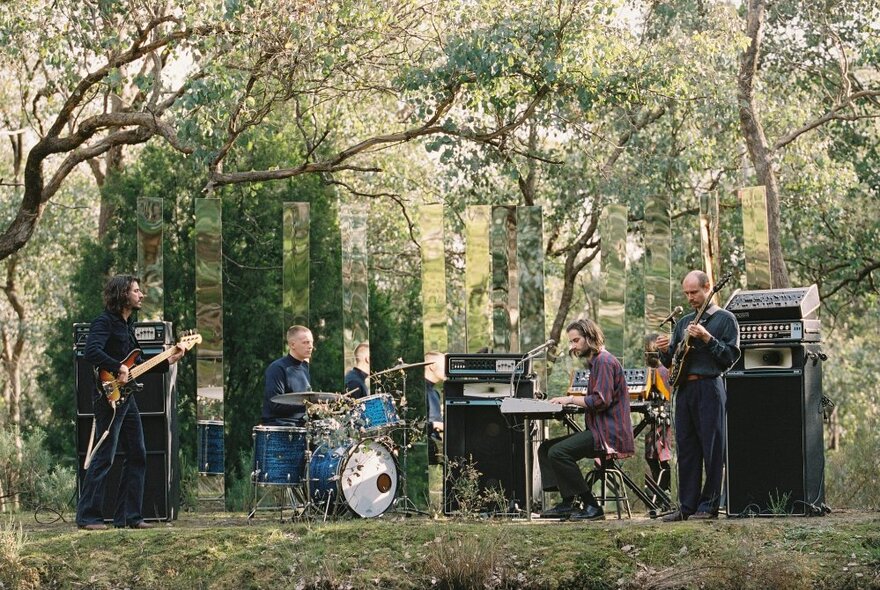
(295, 263)
(424, 474)
(478, 277)
(530, 287)
(456, 289)
(433, 278)
(612, 300)
(505, 295)
(709, 238)
(149, 252)
(355, 286)
(756, 237)
(209, 355)
(658, 261)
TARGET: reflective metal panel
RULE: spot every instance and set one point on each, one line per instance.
(709, 239)
(456, 289)
(433, 278)
(756, 237)
(149, 252)
(295, 263)
(612, 301)
(530, 264)
(209, 323)
(355, 286)
(504, 279)
(478, 277)
(658, 260)
(434, 320)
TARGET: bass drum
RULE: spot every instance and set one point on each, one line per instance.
(360, 476)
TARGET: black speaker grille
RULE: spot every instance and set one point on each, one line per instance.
(775, 457)
(479, 432)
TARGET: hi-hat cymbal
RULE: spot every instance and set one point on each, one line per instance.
(403, 367)
(300, 398)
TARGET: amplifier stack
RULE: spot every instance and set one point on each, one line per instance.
(475, 429)
(775, 447)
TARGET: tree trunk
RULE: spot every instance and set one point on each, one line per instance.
(753, 131)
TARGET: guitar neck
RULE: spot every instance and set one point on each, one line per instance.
(145, 366)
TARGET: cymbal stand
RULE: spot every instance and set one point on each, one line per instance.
(403, 504)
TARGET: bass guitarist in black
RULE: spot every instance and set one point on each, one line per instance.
(111, 340)
(702, 351)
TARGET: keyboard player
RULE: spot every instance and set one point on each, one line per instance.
(608, 432)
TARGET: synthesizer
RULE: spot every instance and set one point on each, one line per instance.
(637, 383)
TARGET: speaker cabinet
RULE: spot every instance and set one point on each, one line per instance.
(775, 446)
(158, 503)
(157, 403)
(477, 432)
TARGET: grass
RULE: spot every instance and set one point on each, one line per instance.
(223, 551)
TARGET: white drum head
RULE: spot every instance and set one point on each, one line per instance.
(369, 479)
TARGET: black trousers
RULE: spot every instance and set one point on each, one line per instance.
(699, 436)
(557, 459)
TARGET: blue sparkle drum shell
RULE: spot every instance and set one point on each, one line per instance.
(279, 455)
(375, 413)
(210, 446)
(361, 477)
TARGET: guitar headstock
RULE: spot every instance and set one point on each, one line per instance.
(189, 339)
(720, 284)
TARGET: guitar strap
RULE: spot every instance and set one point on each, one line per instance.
(90, 452)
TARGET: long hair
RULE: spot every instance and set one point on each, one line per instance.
(592, 335)
(116, 292)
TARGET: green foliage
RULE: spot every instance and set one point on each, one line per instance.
(37, 479)
(14, 572)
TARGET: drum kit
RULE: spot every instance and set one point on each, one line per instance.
(343, 460)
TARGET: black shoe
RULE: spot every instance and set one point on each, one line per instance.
(676, 516)
(561, 510)
(704, 516)
(590, 512)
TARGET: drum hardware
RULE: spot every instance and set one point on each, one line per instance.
(300, 398)
(403, 504)
(401, 366)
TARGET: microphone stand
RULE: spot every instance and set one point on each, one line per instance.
(527, 428)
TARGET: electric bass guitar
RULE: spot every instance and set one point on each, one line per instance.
(117, 390)
(680, 357)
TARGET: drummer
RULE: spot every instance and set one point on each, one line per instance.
(356, 379)
(289, 374)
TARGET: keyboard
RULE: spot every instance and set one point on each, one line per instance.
(538, 408)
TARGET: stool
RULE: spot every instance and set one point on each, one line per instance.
(613, 484)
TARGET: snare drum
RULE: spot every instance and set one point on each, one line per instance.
(375, 413)
(361, 477)
(210, 446)
(279, 455)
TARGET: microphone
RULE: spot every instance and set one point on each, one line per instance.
(549, 344)
(671, 317)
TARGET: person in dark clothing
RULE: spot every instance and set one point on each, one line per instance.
(701, 399)
(289, 374)
(608, 431)
(117, 423)
(356, 379)
(434, 374)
